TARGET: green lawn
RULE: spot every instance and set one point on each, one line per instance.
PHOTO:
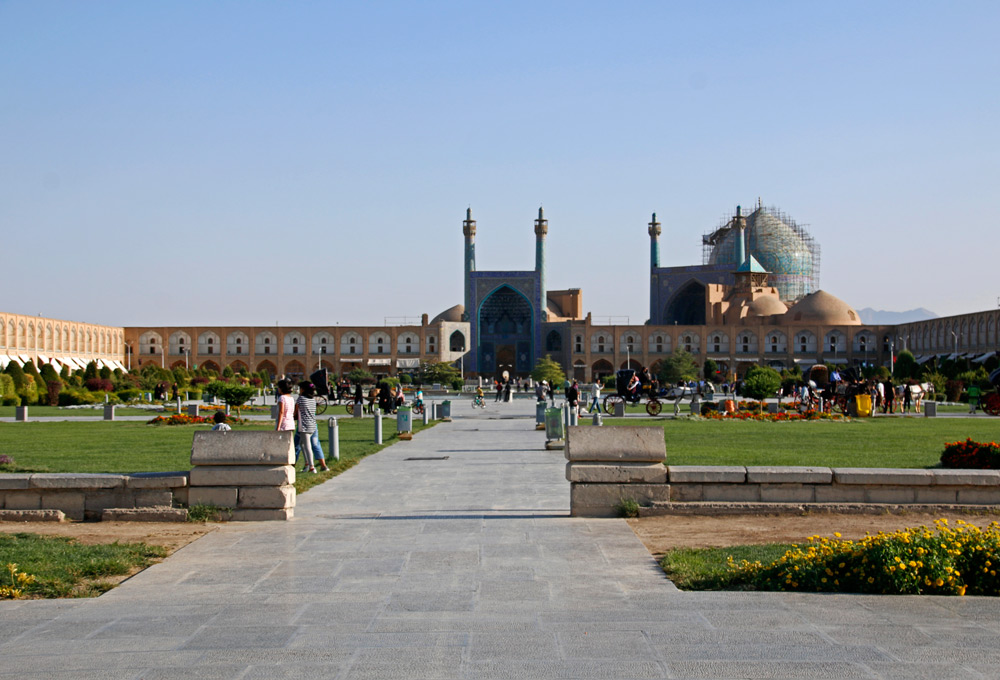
(58, 411)
(64, 568)
(881, 442)
(137, 447)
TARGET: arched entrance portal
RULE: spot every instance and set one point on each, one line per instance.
(687, 307)
(506, 327)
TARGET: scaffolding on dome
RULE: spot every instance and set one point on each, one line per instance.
(783, 247)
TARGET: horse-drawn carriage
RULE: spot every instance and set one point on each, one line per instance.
(633, 395)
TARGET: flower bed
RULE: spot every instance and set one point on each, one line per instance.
(920, 560)
(970, 455)
(773, 417)
(184, 419)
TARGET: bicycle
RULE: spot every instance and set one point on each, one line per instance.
(478, 402)
(418, 408)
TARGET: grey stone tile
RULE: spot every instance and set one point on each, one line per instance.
(770, 670)
(564, 670)
(232, 637)
(513, 646)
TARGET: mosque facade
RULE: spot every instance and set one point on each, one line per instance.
(754, 300)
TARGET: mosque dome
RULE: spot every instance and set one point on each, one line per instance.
(451, 314)
(822, 308)
(766, 305)
(782, 247)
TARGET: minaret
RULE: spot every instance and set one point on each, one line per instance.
(654, 262)
(541, 229)
(469, 229)
(740, 224)
(654, 243)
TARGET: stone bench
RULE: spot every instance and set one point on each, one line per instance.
(610, 464)
(87, 496)
(251, 473)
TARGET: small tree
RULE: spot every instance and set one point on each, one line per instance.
(227, 372)
(546, 368)
(760, 383)
(440, 372)
(360, 376)
(679, 365)
(906, 366)
(709, 369)
(235, 395)
(91, 371)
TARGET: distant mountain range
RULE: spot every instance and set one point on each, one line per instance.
(879, 317)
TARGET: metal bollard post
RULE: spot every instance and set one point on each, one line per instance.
(434, 410)
(333, 434)
(426, 415)
(597, 420)
(378, 427)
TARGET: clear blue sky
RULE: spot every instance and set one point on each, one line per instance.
(213, 163)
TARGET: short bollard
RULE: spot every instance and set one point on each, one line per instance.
(426, 415)
(109, 411)
(597, 420)
(178, 405)
(193, 411)
(574, 417)
(227, 409)
(333, 435)
(21, 414)
(434, 410)
(378, 427)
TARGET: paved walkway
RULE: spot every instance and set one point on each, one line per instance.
(412, 565)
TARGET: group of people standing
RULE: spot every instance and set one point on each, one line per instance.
(299, 415)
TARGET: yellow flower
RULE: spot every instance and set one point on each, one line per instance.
(939, 582)
(837, 534)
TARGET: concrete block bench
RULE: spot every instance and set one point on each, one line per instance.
(87, 496)
(610, 464)
(251, 473)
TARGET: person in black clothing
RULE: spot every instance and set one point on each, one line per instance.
(573, 395)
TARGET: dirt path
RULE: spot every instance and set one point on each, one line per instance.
(171, 536)
(663, 533)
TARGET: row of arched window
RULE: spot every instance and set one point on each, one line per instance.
(955, 333)
(238, 343)
(743, 342)
(59, 337)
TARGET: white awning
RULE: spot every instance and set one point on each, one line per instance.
(42, 359)
(23, 359)
(924, 358)
(984, 357)
(380, 362)
(56, 364)
(835, 360)
(4, 360)
(350, 360)
(753, 359)
(407, 363)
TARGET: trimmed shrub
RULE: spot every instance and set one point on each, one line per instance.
(99, 385)
(7, 394)
(129, 394)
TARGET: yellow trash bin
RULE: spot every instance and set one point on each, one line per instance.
(864, 405)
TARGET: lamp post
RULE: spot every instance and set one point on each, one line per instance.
(186, 353)
(128, 355)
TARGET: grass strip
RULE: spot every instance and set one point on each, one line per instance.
(63, 567)
(915, 442)
(707, 568)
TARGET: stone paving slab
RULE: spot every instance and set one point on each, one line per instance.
(470, 567)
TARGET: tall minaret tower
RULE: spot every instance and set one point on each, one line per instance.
(654, 243)
(469, 229)
(541, 229)
(740, 224)
(654, 259)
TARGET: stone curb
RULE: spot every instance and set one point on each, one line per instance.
(709, 508)
(32, 516)
(152, 514)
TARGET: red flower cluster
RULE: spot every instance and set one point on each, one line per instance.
(179, 419)
(970, 455)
